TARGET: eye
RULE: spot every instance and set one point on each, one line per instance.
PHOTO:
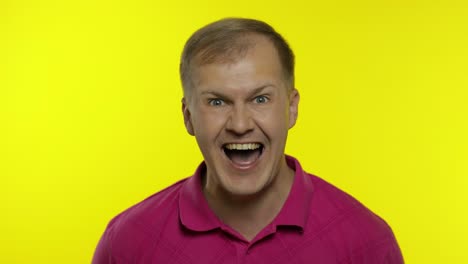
(216, 102)
(261, 99)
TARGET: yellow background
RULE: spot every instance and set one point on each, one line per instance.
(90, 119)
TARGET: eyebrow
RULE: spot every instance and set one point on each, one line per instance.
(252, 93)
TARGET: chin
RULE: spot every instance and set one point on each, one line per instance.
(244, 190)
(238, 182)
(244, 185)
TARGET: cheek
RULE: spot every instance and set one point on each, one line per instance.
(276, 115)
(273, 122)
(208, 123)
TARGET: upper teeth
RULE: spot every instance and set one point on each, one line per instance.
(243, 146)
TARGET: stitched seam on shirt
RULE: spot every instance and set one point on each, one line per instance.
(334, 220)
(364, 249)
(179, 252)
(291, 255)
(322, 230)
(176, 252)
(156, 237)
(222, 253)
(112, 233)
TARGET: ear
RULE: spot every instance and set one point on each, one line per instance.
(293, 107)
(187, 117)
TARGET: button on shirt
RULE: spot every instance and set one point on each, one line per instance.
(317, 224)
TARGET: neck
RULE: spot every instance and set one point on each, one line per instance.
(249, 214)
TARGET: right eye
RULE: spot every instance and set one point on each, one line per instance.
(216, 102)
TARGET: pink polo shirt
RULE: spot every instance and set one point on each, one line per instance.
(317, 224)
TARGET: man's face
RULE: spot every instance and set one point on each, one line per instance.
(240, 114)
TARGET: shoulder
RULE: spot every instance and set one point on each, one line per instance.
(139, 225)
(348, 226)
(329, 203)
(151, 210)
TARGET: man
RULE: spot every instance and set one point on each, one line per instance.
(247, 202)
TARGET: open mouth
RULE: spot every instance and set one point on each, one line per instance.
(243, 154)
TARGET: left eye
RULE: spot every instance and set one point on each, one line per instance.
(261, 99)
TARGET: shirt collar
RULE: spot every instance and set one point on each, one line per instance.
(295, 211)
(195, 214)
(194, 211)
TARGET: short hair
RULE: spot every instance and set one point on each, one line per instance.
(227, 40)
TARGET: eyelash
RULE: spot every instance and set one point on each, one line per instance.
(261, 97)
(220, 102)
(213, 101)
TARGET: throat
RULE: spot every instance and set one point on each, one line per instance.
(248, 217)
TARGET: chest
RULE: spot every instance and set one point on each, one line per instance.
(276, 248)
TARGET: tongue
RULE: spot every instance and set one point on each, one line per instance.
(244, 157)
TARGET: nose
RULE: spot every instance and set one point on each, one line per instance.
(240, 121)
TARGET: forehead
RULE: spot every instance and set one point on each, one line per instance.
(259, 64)
(226, 49)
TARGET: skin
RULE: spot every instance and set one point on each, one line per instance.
(245, 101)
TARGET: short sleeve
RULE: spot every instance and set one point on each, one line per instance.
(393, 255)
(380, 252)
(102, 254)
